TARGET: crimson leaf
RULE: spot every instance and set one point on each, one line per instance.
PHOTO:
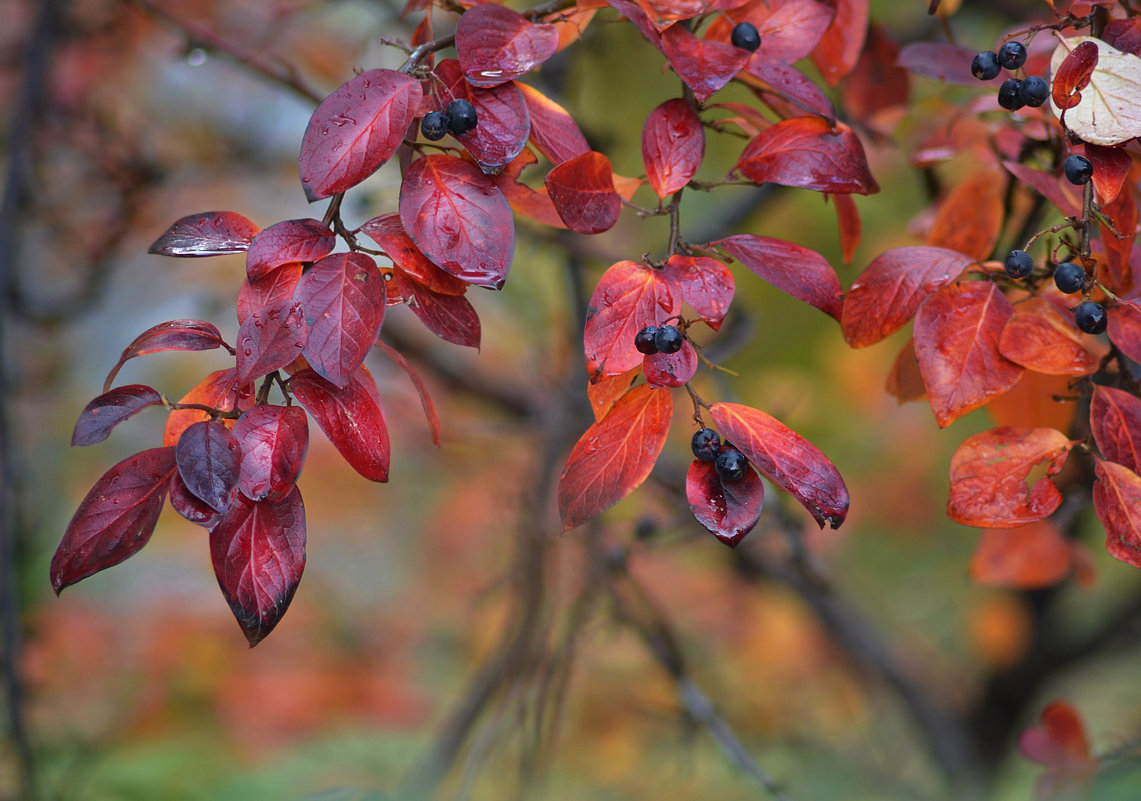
(172, 335)
(211, 233)
(273, 441)
(350, 417)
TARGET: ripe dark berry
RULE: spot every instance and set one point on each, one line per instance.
(1070, 277)
(745, 36)
(461, 116)
(668, 339)
(1008, 94)
(706, 444)
(434, 125)
(1091, 317)
(1012, 55)
(644, 340)
(985, 66)
(1033, 91)
(1078, 169)
(731, 464)
(1018, 264)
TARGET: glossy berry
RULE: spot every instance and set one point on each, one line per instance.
(434, 125)
(1078, 169)
(985, 66)
(1008, 94)
(706, 444)
(745, 36)
(1033, 91)
(1070, 277)
(461, 116)
(1018, 264)
(731, 464)
(1012, 55)
(644, 340)
(1091, 317)
(668, 339)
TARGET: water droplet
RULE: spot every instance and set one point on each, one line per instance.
(196, 57)
(590, 446)
(248, 352)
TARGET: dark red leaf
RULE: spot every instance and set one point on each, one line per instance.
(889, 290)
(1039, 338)
(459, 219)
(115, 519)
(1028, 557)
(728, 509)
(450, 317)
(941, 62)
(704, 283)
(504, 122)
(1124, 34)
(1065, 196)
(629, 297)
(355, 130)
(172, 335)
(990, 477)
(670, 369)
(1073, 75)
(387, 232)
(787, 459)
(786, 90)
(209, 461)
(496, 44)
(789, 29)
(1111, 166)
(1117, 500)
(269, 339)
(350, 418)
(421, 389)
(840, 46)
(220, 390)
(615, 455)
(212, 233)
(554, 133)
(258, 552)
(109, 409)
(272, 290)
(704, 65)
(286, 242)
(187, 504)
(1125, 328)
(1115, 419)
(673, 145)
(582, 190)
(273, 442)
(800, 272)
(806, 152)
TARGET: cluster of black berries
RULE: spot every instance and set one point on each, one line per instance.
(659, 339)
(1014, 92)
(729, 462)
(1069, 277)
(745, 36)
(458, 118)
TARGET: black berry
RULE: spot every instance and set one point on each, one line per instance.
(745, 36)
(668, 339)
(706, 444)
(731, 464)
(985, 66)
(1078, 169)
(1008, 94)
(1018, 264)
(644, 340)
(1033, 91)
(434, 125)
(461, 116)
(1070, 277)
(1091, 317)
(1012, 55)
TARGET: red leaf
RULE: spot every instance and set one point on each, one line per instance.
(1124, 34)
(343, 299)
(840, 46)
(421, 389)
(673, 145)
(805, 152)
(115, 519)
(211, 233)
(704, 65)
(274, 289)
(941, 62)
(789, 29)
(350, 418)
(496, 44)
(664, 13)
(273, 442)
(877, 82)
(459, 219)
(615, 455)
(390, 235)
(970, 218)
(355, 130)
(787, 459)
(786, 90)
(629, 297)
(532, 203)
(1039, 338)
(729, 510)
(633, 12)
(1117, 500)
(670, 369)
(582, 190)
(269, 339)
(704, 283)
(450, 317)
(1059, 741)
(172, 335)
(990, 475)
(889, 291)
(109, 409)
(1125, 328)
(1111, 166)
(1115, 419)
(286, 242)
(1073, 75)
(605, 392)
(209, 461)
(191, 507)
(220, 390)
(1024, 558)
(848, 218)
(1122, 212)
(554, 133)
(504, 122)
(258, 551)
(802, 273)
(957, 332)
(1065, 196)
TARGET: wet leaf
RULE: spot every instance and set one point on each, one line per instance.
(190, 506)
(554, 133)
(670, 369)
(1110, 109)
(100, 416)
(211, 233)
(286, 242)
(704, 283)
(275, 288)
(728, 509)
(789, 29)
(629, 297)
(388, 232)
(1115, 420)
(806, 152)
(704, 65)
(269, 339)
(450, 317)
(496, 44)
(504, 122)
(1039, 338)
(582, 191)
(786, 90)
(605, 392)
(673, 145)
(802, 273)
(172, 335)
(273, 442)
(1024, 558)
(209, 461)
(350, 418)
(533, 203)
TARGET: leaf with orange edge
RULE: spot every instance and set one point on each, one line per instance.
(629, 297)
(582, 191)
(1025, 558)
(615, 455)
(728, 509)
(840, 46)
(1111, 166)
(219, 390)
(806, 152)
(1115, 420)
(970, 218)
(990, 473)
(1039, 338)
(1117, 501)
(1073, 75)
(388, 232)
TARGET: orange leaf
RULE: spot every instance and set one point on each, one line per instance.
(1039, 338)
(605, 392)
(848, 218)
(839, 48)
(1117, 500)
(970, 219)
(1031, 403)
(1027, 557)
(904, 381)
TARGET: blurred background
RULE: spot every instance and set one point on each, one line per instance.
(446, 639)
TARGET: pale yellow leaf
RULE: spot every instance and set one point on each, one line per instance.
(1110, 110)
